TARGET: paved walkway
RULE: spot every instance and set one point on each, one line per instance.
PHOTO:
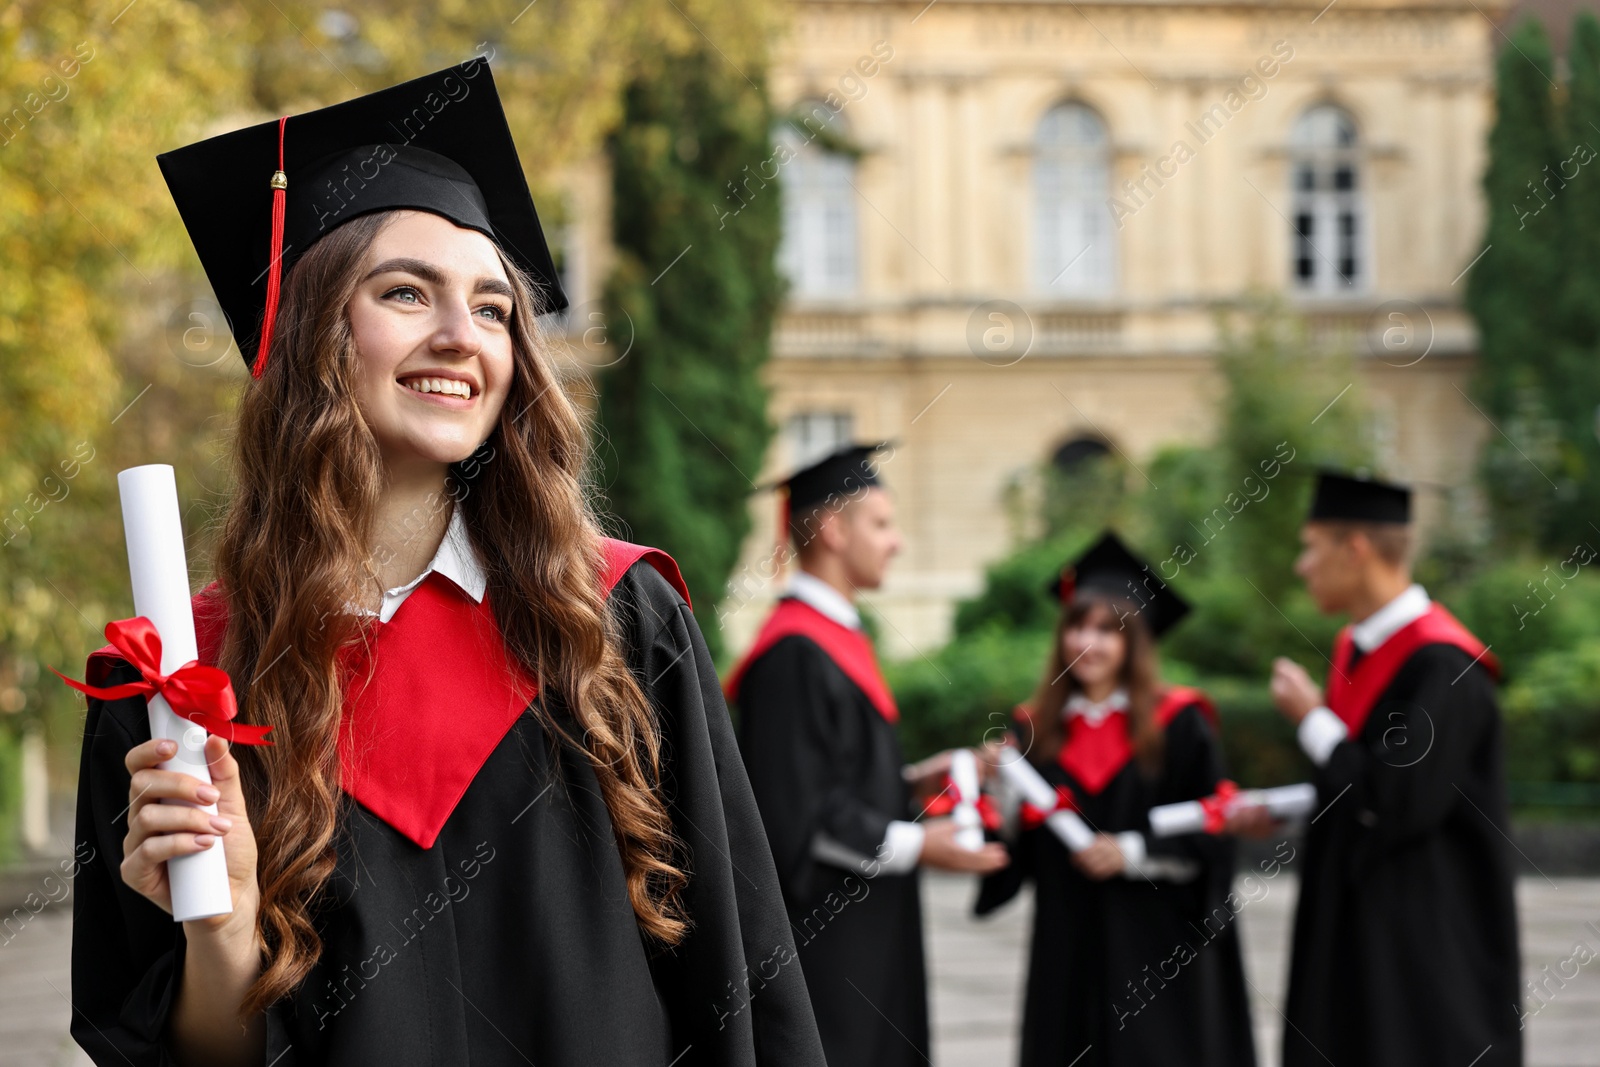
(977, 976)
(978, 968)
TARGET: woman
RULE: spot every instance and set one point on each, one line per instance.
(503, 818)
(1135, 956)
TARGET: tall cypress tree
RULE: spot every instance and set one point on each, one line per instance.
(1514, 288)
(1572, 389)
(684, 413)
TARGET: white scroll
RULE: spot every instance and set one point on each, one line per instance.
(159, 570)
(1189, 816)
(1064, 823)
(964, 777)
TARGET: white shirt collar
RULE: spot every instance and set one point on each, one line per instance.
(1382, 624)
(815, 592)
(455, 559)
(1078, 704)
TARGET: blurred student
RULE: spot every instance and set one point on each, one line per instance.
(817, 732)
(1405, 939)
(1135, 957)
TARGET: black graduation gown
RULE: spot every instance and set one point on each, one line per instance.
(511, 940)
(1130, 972)
(821, 757)
(1405, 937)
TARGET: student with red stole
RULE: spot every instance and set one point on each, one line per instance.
(1405, 938)
(500, 817)
(817, 732)
(1134, 957)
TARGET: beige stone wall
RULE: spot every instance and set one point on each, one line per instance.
(946, 126)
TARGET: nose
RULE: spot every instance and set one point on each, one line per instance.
(455, 332)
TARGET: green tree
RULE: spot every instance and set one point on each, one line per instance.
(1513, 289)
(683, 414)
(1572, 386)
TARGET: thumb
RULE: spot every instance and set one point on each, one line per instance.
(225, 776)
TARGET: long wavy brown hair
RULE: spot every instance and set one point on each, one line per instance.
(1140, 675)
(294, 550)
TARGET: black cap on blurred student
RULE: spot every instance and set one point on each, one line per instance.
(255, 199)
(839, 475)
(1107, 566)
(1348, 498)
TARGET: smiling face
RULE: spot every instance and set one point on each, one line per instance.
(431, 324)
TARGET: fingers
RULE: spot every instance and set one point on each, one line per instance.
(153, 819)
(149, 754)
(159, 849)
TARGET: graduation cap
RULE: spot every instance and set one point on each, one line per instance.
(1108, 566)
(840, 474)
(439, 143)
(1344, 497)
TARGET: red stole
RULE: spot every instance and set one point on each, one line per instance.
(420, 726)
(1353, 692)
(1094, 753)
(849, 648)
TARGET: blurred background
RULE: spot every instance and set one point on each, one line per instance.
(1146, 264)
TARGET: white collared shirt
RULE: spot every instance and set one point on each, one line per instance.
(455, 559)
(1078, 704)
(818, 594)
(1388, 620)
(1321, 730)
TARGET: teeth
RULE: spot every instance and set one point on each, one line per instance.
(439, 385)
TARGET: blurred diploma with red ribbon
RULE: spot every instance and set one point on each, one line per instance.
(186, 699)
(1063, 821)
(1210, 814)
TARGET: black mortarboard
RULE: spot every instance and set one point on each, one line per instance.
(439, 143)
(847, 471)
(1107, 566)
(1341, 497)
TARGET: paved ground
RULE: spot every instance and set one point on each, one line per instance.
(977, 969)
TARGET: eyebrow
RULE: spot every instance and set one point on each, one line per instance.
(433, 275)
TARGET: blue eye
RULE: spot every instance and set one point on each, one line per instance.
(495, 311)
(402, 289)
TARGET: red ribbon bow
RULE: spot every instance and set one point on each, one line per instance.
(203, 695)
(1032, 817)
(1215, 806)
(947, 799)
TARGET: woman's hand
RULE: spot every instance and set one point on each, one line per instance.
(157, 832)
(1101, 860)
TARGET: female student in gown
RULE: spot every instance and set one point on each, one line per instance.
(1134, 957)
(502, 818)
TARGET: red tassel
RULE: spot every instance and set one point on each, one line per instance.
(1069, 585)
(780, 536)
(280, 183)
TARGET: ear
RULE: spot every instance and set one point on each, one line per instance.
(830, 529)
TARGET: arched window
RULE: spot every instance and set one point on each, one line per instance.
(1074, 247)
(817, 252)
(1073, 456)
(1330, 253)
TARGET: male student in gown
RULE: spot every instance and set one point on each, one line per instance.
(1405, 941)
(817, 732)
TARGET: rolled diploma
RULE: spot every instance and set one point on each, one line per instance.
(1066, 825)
(1188, 817)
(964, 774)
(159, 570)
